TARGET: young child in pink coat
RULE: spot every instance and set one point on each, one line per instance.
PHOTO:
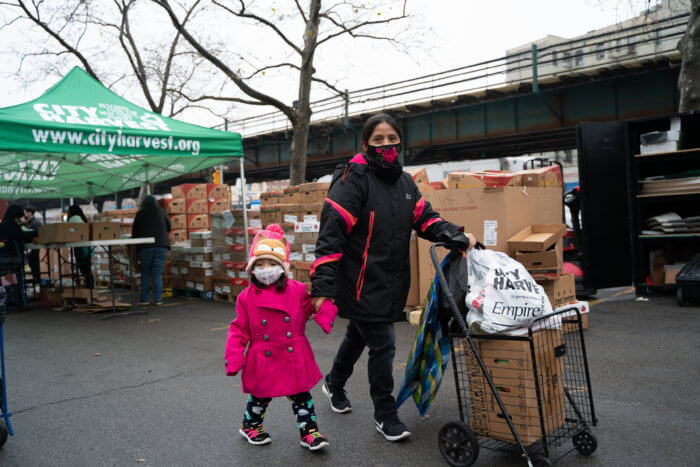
(271, 315)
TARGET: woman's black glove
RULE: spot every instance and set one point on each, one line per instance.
(458, 239)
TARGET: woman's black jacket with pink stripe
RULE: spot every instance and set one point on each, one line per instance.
(362, 253)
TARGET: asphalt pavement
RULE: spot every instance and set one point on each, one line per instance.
(151, 390)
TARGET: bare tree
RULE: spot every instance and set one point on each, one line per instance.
(689, 47)
(161, 70)
(342, 19)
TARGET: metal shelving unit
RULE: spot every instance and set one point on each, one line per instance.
(676, 246)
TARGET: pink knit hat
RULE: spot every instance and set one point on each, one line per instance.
(269, 244)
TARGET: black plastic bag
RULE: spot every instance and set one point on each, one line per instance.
(455, 270)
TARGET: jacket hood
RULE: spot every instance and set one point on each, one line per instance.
(148, 202)
(13, 212)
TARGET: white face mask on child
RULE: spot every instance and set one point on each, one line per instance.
(268, 275)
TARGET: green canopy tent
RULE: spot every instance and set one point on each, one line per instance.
(80, 140)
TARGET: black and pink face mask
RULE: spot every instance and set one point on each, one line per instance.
(385, 153)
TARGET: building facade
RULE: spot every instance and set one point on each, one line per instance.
(651, 35)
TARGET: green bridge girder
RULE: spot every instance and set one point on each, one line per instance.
(494, 124)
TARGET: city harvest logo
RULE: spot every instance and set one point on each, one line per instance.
(108, 115)
(32, 170)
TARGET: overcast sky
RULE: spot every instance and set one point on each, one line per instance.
(455, 33)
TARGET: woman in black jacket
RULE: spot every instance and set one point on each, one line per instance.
(362, 262)
(83, 254)
(151, 221)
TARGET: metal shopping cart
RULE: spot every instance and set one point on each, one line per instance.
(528, 394)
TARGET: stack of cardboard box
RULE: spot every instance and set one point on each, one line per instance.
(229, 253)
(192, 264)
(538, 247)
(190, 206)
(302, 251)
(67, 232)
(544, 177)
(298, 211)
(124, 217)
(301, 203)
(510, 367)
(493, 206)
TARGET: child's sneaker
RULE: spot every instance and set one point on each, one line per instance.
(256, 436)
(314, 441)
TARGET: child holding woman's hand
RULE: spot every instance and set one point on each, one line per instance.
(271, 315)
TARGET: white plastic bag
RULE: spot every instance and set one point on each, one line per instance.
(502, 295)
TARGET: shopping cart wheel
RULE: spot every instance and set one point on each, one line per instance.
(541, 461)
(458, 444)
(585, 442)
(4, 433)
(679, 297)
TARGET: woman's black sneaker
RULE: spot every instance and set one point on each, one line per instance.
(337, 397)
(392, 428)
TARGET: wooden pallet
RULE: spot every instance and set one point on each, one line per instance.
(102, 306)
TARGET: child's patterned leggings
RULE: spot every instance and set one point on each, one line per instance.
(302, 404)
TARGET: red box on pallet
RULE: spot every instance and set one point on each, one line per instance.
(240, 265)
(178, 221)
(215, 190)
(218, 205)
(174, 205)
(197, 206)
(190, 190)
(197, 221)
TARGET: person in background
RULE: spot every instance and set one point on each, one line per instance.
(151, 221)
(12, 240)
(32, 223)
(83, 254)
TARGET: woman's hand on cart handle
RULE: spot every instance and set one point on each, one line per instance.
(318, 301)
(463, 241)
(471, 241)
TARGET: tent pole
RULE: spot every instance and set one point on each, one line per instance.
(243, 199)
(245, 212)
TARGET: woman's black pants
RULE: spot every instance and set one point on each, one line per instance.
(381, 341)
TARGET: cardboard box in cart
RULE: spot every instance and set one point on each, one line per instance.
(510, 366)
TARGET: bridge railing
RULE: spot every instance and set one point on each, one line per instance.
(621, 47)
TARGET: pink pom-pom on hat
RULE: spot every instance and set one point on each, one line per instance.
(269, 244)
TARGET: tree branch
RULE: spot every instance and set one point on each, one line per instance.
(345, 29)
(255, 94)
(301, 11)
(171, 55)
(242, 14)
(215, 98)
(37, 20)
(269, 67)
(133, 55)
